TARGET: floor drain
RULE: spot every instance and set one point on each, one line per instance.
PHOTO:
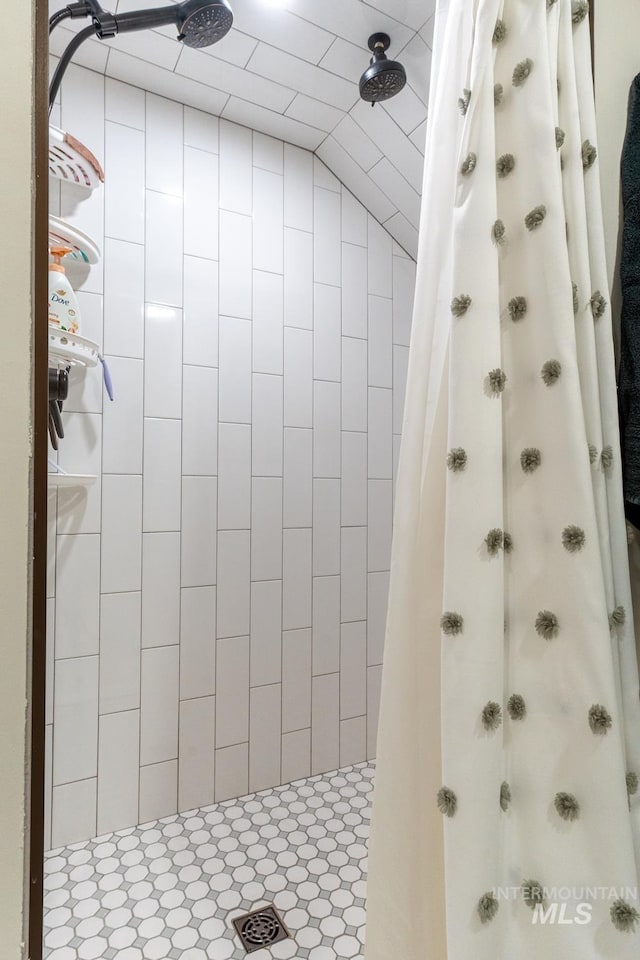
(260, 928)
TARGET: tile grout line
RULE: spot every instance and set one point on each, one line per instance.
(182, 378)
(284, 440)
(99, 664)
(314, 242)
(340, 677)
(142, 453)
(251, 402)
(218, 463)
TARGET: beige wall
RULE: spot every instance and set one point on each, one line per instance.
(617, 33)
(15, 404)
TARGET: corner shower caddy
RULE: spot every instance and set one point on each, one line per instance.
(71, 162)
(84, 249)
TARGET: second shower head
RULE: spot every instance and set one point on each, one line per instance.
(383, 78)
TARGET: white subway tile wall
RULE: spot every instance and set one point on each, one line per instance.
(218, 597)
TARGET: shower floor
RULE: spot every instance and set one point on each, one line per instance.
(168, 890)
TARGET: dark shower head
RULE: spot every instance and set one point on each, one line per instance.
(201, 23)
(383, 78)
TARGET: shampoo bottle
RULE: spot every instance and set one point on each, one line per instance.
(63, 306)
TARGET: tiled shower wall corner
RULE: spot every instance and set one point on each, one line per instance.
(217, 597)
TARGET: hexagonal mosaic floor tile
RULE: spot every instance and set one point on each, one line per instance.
(168, 890)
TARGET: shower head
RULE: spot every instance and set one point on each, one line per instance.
(202, 23)
(383, 78)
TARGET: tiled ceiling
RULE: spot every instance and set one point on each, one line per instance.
(290, 69)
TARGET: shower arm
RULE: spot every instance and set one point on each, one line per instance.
(103, 26)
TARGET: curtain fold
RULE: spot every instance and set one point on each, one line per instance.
(509, 737)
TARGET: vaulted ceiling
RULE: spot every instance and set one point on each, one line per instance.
(290, 69)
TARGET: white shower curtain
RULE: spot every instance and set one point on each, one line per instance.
(509, 739)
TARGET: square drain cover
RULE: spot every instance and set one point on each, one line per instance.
(260, 928)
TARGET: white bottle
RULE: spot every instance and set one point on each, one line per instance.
(63, 306)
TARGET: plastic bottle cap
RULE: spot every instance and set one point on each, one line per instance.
(58, 253)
